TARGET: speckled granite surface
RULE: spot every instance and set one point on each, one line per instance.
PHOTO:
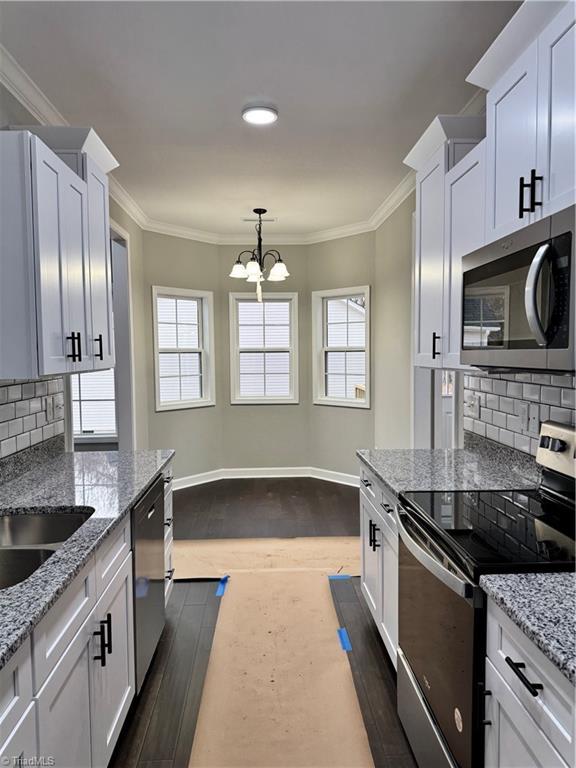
(481, 465)
(543, 605)
(109, 483)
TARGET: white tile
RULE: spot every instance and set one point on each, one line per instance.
(3, 395)
(480, 428)
(41, 388)
(23, 441)
(4, 429)
(486, 385)
(506, 437)
(522, 443)
(29, 422)
(526, 377)
(531, 392)
(35, 405)
(7, 447)
(40, 419)
(513, 423)
(568, 398)
(563, 415)
(48, 431)
(498, 418)
(14, 392)
(35, 436)
(59, 427)
(499, 387)
(544, 413)
(550, 395)
(534, 446)
(15, 427)
(7, 412)
(486, 415)
(468, 423)
(28, 389)
(506, 405)
(541, 378)
(22, 408)
(492, 401)
(561, 381)
(514, 389)
(474, 382)
(53, 386)
(492, 432)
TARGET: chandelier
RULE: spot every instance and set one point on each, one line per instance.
(253, 270)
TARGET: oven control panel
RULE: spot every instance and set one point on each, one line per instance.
(557, 449)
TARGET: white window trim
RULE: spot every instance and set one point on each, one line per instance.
(235, 398)
(208, 367)
(318, 382)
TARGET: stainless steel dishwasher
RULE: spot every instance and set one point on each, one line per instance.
(149, 612)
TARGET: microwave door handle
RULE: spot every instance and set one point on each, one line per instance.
(455, 583)
(530, 295)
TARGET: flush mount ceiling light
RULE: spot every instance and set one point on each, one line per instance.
(253, 270)
(260, 115)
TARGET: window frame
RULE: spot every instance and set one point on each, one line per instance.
(319, 349)
(206, 349)
(235, 398)
(92, 437)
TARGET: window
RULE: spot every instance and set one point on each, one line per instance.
(486, 316)
(93, 404)
(184, 348)
(341, 334)
(263, 348)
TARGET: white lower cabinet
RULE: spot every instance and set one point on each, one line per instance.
(21, 747)
(379, 542)
(168, 532)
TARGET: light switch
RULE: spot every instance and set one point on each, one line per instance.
(472, 404)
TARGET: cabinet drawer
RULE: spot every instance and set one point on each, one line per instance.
(169, 571)
(168, 473)
(387, 503)
(111, 555)
(15, 689)
(168, 507)
(21, 745)
(368, 483)
(552, 709)
(56, 630)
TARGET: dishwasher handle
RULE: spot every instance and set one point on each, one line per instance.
(458, 585)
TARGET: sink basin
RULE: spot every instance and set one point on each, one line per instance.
(33, 529)
(17, 564)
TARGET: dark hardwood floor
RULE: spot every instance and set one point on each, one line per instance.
(266, 508)
(160, 729)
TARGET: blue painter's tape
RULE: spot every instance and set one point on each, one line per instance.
(339, 576)
(344, 639)
(221, 586)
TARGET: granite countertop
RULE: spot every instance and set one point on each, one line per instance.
(543, 605)
(482, 465)
(108, 483)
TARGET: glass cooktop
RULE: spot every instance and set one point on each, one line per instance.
(499, 531)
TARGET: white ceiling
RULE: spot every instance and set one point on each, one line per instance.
(164, 83)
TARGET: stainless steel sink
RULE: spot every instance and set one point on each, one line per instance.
(34, 529)
(17, 564)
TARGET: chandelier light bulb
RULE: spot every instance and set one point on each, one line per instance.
(278, 272)
(253, 269)
(239, 271)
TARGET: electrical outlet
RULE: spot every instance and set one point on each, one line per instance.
(472, 404)
(534, 419)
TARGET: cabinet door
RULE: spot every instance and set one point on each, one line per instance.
(556, 113)
(429, 262)
(49, 177)
(75, 246)
(511, 108)
(512, 738)
(389, 615)
(21, 746)
(464, 233)
(63, 705)
(371, 557)
(100, 265)
(114, 683)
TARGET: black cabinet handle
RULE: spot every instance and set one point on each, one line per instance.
(101, 633)
(435, 338)
(370, 535)
(169, 574)
(517, 667)
(168, 522)
(521, 207)
(167, 480)
(108, 624)
(533, 179)
(375, 542)
(100, 354)
(72, 338)
(386, 507)
(366, 483)
(79, 338)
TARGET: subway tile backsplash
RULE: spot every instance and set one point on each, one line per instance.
(30, 413)
(509, 408)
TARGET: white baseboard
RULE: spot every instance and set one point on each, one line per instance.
(233, 472)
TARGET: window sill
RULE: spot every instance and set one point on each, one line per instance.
(365, 404)
(184, 406)
(265, 401)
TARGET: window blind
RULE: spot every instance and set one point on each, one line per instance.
(345, 347)
(93, 403)
(264, 337)
(179, 334)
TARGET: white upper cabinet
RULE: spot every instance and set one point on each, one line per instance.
(511, 138)
(464, 205)
(556, 113)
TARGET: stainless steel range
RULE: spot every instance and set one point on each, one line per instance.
(447, 541)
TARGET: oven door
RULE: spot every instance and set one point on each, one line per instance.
(517, 299)
(441, 653)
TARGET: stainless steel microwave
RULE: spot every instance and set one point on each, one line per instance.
(518, 299)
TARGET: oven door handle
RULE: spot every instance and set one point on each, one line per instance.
(530, 295)
(462, 587)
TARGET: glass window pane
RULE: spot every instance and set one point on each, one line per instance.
(277, 384)
(335, 385)
(277, 312)
(251, 385)
(356, 309)
(335, 362)
(190, 364)
(277, 336)
(76, 417)
(97, 385)
(187, 310)
(166, 310)
(356, 362)
(277, 362)
(250, 313)
(356, 387)
(336, 310)
(169, 390)
(356, 335)
(251, 362)
(98, 417)
(191, 388)
(251, 336)
(187, 336)
(337, 336)
(168, 364)
(166, 335)
(74, 382)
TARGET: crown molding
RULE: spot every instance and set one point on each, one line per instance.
(25, 90)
